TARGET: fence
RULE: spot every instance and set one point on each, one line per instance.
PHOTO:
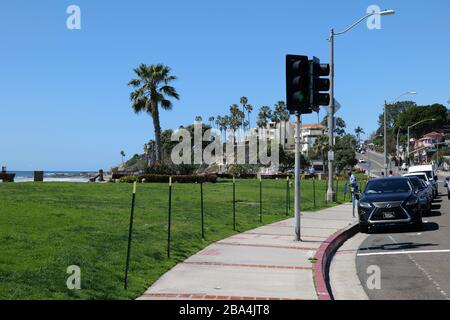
(205, 211)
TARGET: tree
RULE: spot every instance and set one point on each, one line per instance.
(345, 157)
(211, 121)
(265, 113)
(249, 109)
(321, 147)
(152, 91)
(358, 132)
(413, 115)
(340, 125)
(122, 153)
(281, 114)
(236, 117)
(244, 102)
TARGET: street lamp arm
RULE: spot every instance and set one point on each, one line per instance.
(355, 24)
(420, 122)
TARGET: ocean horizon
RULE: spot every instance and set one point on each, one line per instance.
(55, 176)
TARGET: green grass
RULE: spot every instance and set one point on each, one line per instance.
(46, 227)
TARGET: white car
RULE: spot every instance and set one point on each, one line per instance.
(429, 170)
(362, 160)
(404, 167)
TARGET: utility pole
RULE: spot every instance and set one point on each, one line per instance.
(331, 195)
(385, 139)
(297, 177)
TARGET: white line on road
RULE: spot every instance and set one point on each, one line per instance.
(400, 252)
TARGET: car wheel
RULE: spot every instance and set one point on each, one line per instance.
(364, 228)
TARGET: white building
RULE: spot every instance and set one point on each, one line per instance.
(286, 132)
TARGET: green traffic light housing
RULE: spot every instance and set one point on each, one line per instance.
(318, 84)
(297, 84)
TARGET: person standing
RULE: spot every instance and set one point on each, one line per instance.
(353, 189)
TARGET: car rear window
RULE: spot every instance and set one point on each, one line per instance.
(388, 186)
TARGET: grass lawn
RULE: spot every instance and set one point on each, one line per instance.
(46, 227)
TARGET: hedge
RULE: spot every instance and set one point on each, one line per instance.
(154, 178)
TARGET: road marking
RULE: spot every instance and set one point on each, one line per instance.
(400, 252)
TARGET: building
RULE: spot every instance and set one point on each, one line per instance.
(285, 132)
(428, 144)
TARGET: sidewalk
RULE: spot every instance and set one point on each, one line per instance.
(264, 263)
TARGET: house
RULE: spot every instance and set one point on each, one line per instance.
(430, 140)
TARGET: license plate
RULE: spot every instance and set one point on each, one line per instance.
(389, 215)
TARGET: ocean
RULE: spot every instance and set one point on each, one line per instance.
(55, 176)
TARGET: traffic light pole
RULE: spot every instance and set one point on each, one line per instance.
(331, 195)
(297, 176)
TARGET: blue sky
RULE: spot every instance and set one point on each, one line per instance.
(64, 99)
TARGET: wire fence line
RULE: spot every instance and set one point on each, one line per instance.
(200, 211)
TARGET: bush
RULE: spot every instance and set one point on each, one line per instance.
(153, 178)
(128, 179)
(170, 169)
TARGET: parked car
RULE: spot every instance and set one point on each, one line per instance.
(404, 167)
(424, 179)
(362, 160)
(431, 175)
(447, 185)
(422, 190)
(389, 201)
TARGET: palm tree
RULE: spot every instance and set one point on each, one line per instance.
(249, 109)
(358, 132)
(265, 113)
(152, 91)
(244, 102)
(282, 115)
(320, 147)
(122, 153)
(211, 121)
(236, 117)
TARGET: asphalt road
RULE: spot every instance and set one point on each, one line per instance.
(412, 265)
(374, 162)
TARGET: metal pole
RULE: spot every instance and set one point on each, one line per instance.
(297, 177)
(407, 148)
(234, 203)
(331, 196)
(202, 209)
(169, 218)
(314, 192)
(130, 234)
(260, 200)
(385, 139)
(287, 196)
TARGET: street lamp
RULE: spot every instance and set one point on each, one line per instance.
(331, 195)
(409, 128)
(385, 126)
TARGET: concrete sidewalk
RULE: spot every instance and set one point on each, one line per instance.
(264, 263)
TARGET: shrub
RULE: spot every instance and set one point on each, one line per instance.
(129, 179)
(152, 178)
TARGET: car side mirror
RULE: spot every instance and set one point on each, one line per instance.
(357, 196)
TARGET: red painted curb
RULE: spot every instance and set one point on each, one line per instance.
(324, 256)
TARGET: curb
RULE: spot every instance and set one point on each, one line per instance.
(324, 256)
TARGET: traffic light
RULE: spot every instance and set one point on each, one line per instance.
(298, 84)
(318, 84)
